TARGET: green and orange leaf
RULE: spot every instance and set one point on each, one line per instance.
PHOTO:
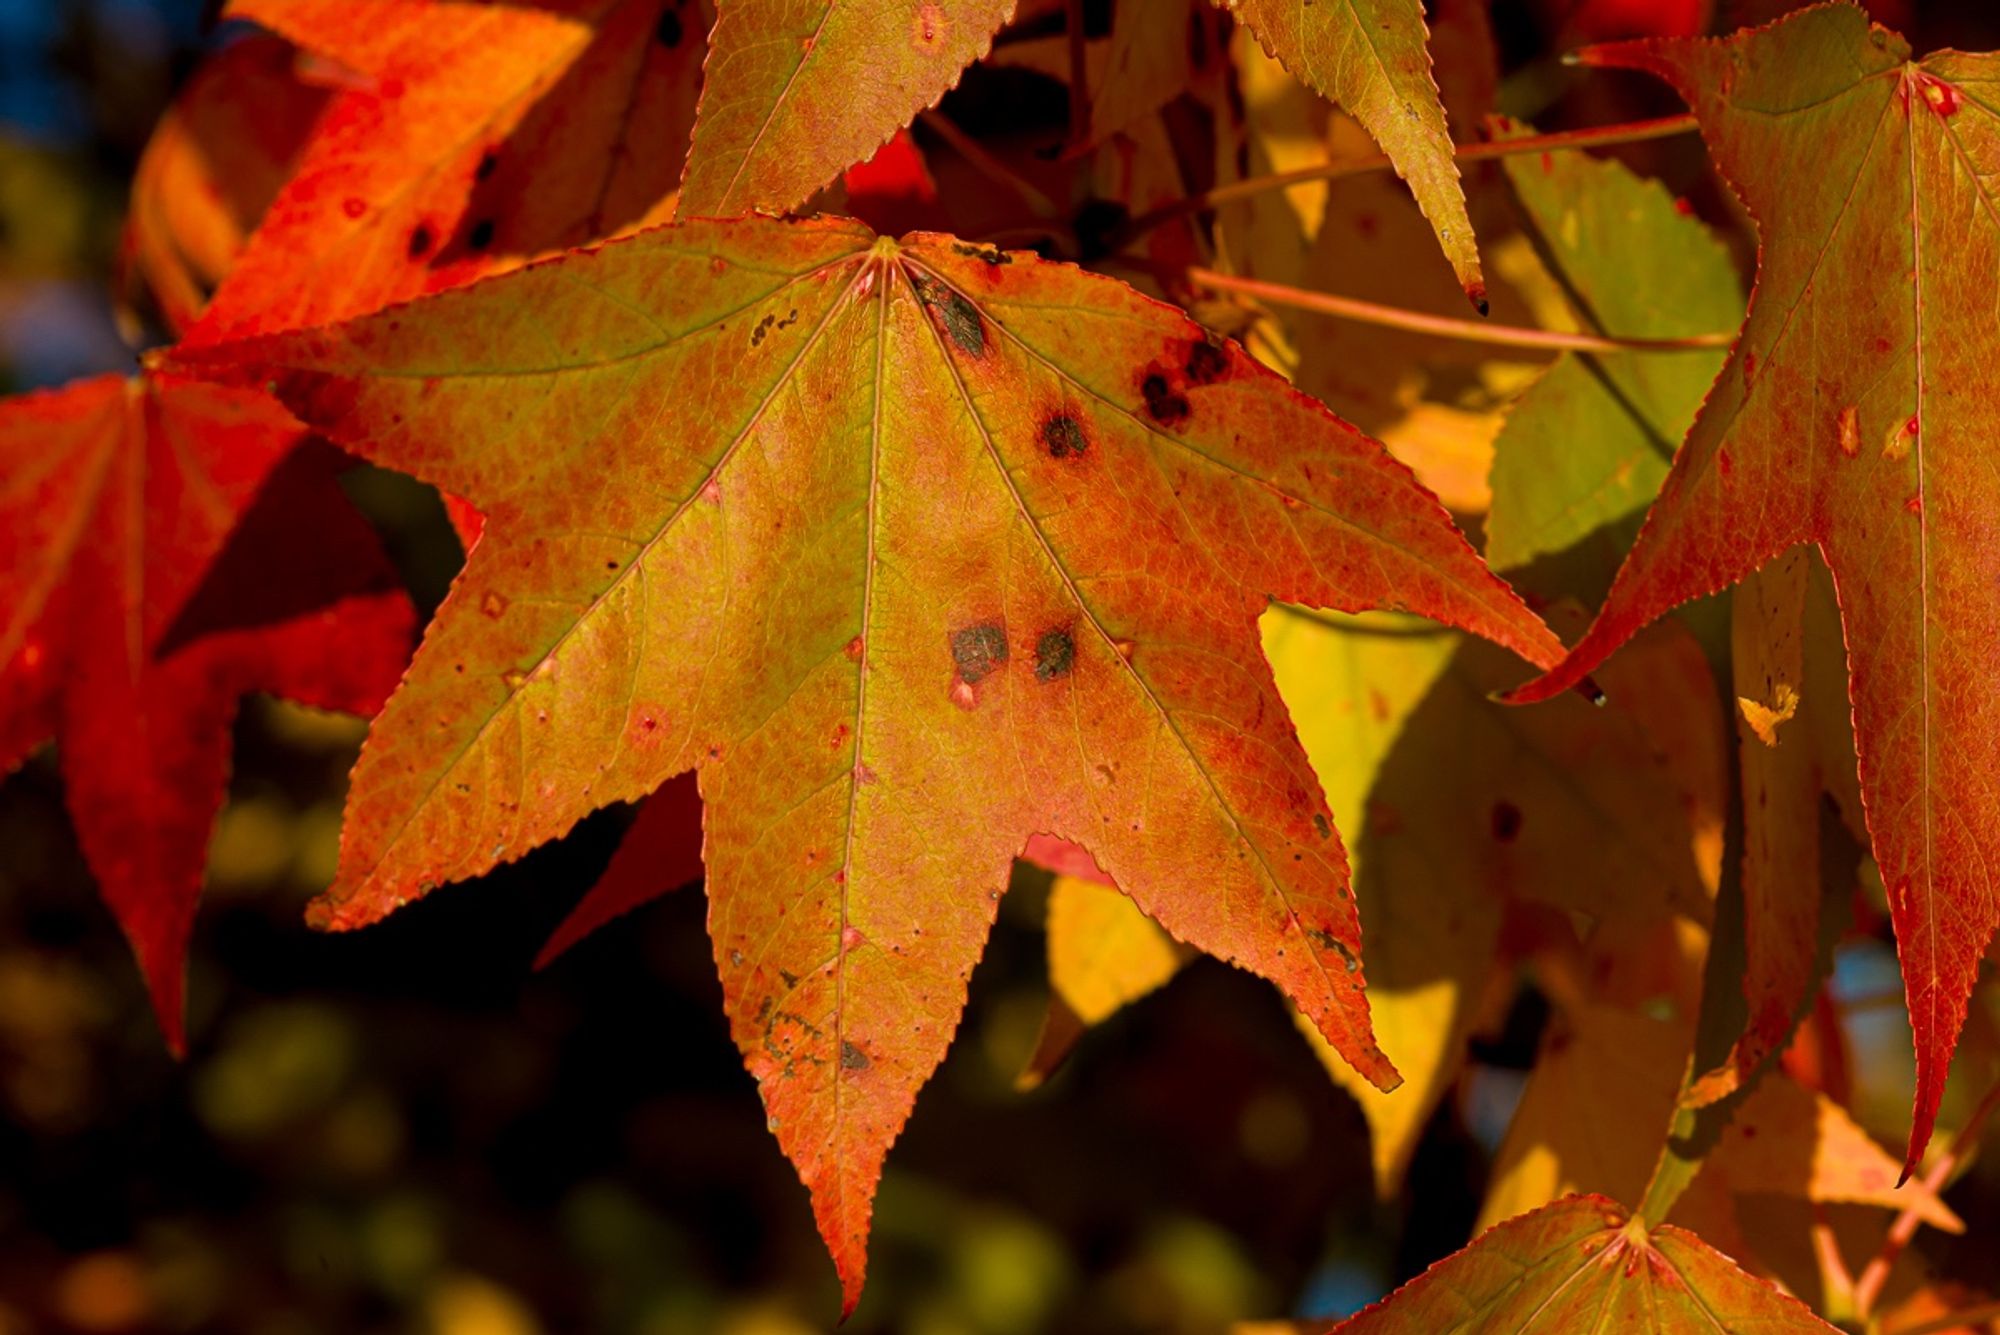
(912, 551)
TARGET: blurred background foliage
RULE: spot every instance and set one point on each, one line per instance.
(406, 1130)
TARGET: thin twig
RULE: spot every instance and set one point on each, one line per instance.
(1079, 73)
(1868, 1289)
(1599, 136)
(987, 165)
(1471, 331)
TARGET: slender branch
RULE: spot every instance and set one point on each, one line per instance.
(1868, 1289)
(1471, 331)
(1079, 74)
(1835, 1282)
(987, 165)
(1984, 1313)
(1597, 136)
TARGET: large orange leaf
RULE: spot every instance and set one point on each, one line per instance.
(797, 90)
(471, 137)
(1854, 414)
(912, 551)
(1369, 56)
(131, 620)
(1584, 1264)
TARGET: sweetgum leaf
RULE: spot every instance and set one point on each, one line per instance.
(1854, 413)
(1369, 56)
(912, 550)
(469, 137)
(215, 162)
(151, 573)
(797, 90)
(1584, 1263)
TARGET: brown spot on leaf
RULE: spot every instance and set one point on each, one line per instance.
(955, 315)
(492, 604)
(1163, 404)
(1323, 825)
(852, 1058)
(421, 241)
(489, 162)
(928, 28)
(1055, 654)
(1062, 436)
(481, 235)
(978, 651)
(1205, 363)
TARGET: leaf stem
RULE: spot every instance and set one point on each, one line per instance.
(1868, 1288)
(1596, 136)
(1439, 326)
(1079, 75)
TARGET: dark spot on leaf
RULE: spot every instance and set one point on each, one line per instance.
(978, 650)
(1055, 655)
(853, 1058)
(669, 31)
(481, 235)
(1205, 363)
(1163, 404)
(990, 254)
(1506, 822)
(1197, 39)
(789, 979)
(1321, 824)
(958, 316)
(489, 162)
(1097, 225)
(1063, 436)
(421, 241)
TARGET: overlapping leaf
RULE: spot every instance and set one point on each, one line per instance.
(797, 91)
(1369, 56)
(131, 620)
(1584, 1263)
(470, 138)
(1853, 415)
(912, 551)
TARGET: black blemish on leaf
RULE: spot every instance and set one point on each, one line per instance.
(990, 254)
(1506, 822)
(669, 31)
(958, 316)
(978, 650)
(853, 1058)
(489, 162)
(420, 242)
(788, 978)
(1163, 404)
(1197, 39)
(1063, 436)
(763, 328)
(1321, 824)
(1205, 363)
(1055, 655)
(481, 235)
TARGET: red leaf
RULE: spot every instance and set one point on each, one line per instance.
(134, 619)
(661, 852)
(1855, 413)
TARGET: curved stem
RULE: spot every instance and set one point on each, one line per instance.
(1598, 136)
(1471, 331)
(1868, 1288)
